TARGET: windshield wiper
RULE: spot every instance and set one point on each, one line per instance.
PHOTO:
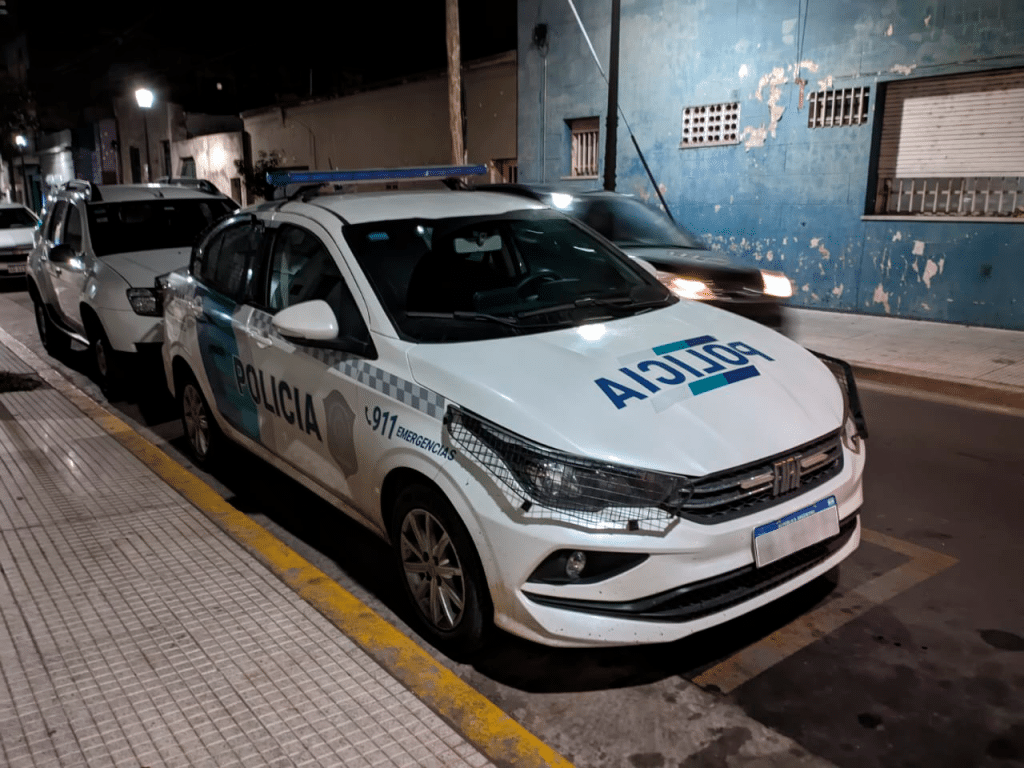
(511, 322)
(625, 303)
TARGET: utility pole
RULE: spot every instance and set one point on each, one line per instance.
(455, 81)
(611, 133)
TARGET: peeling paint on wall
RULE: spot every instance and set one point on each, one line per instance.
(918, 248)
(772, 80)
(744, 71)
(824, 85)
(931, 269)
(897, 236)
(838, 291)
(902, 70)
(718, 208)
(881, 297)
(754, 136)
(888, 33)
(928, 20)
(942, 261)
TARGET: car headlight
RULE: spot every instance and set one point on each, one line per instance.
(589, 493)
(686, 287)
(777, 284)
(854, 426)
(146, 301)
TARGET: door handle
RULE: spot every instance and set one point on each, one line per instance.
(58, 271)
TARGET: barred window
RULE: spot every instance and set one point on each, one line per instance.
(840, 106)
(585, 146)
(952, 146)
(711, 125)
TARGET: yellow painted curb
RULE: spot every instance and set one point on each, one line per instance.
(499, 737)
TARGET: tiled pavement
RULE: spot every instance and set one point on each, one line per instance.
(134, 632)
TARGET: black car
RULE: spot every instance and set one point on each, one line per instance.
(684, 263)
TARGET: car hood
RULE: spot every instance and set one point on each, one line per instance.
(689, 388)
(141, 268)
(17, 236)
(689, 261)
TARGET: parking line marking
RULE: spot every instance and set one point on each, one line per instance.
(482, 723)
(729, 674)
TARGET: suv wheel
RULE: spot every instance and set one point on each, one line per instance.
(54, 342)
(106, 361)
(440, 570)
(201, 431)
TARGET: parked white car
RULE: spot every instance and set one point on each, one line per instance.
(93, 274)
(18, 231)
(549, 438)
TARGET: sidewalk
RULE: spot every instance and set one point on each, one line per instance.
(982, 364)
(134, 631)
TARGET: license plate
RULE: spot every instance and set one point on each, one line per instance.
(807, 526)
(16, 268)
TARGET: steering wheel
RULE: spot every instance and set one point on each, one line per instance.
(527, 284)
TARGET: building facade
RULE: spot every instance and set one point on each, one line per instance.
(404, 124)
(874, 152)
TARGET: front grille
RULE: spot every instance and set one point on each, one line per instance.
(17, 253)
(703, 598)
(752, 487)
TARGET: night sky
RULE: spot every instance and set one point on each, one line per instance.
(85, 53)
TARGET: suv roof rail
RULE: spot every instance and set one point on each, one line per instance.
(87, 189)
(201, 184)
(310, 180)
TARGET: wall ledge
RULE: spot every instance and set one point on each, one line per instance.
(948, 219)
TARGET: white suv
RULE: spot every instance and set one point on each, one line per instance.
(93, 274)
(549, 438)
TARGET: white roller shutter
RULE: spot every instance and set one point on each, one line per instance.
(953, 145)
(969, 125)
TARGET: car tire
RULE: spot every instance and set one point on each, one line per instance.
(106, 361)
(54, 342)
(440, 571)
(201, 431)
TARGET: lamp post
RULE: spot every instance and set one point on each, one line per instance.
(144, 98)
(22, 142)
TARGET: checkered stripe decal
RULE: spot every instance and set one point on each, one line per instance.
(389, 385)
(261, 321)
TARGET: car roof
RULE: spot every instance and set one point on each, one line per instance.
(359, 208)
(120, 193)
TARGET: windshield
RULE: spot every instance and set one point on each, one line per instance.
(628, 222)
(483, 277)
(16, 218)
(147, 225)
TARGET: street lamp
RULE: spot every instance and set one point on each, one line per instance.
(144, 98)
(22, 142)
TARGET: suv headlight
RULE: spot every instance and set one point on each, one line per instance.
(589, 493)
(149, 301)
(854, 426)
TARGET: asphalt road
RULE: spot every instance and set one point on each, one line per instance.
(910, 654)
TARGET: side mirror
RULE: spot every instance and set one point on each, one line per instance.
(308, 321)
(62, 254)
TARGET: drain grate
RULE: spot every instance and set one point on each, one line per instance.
(19, 382)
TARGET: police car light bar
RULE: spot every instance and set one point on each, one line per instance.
(282, 178)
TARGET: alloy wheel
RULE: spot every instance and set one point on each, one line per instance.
(197, 420)
(432, 569)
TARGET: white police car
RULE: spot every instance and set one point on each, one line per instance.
(549, 438)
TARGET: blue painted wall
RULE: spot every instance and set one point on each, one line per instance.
(788, 196)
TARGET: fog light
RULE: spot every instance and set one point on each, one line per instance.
(574, 564)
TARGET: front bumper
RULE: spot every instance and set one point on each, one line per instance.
(695, 576)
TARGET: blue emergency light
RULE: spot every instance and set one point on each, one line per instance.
(282, 178)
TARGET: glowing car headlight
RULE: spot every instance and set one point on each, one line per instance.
(854, 427)
(686, 287)
(591, 493)
(777, 284)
